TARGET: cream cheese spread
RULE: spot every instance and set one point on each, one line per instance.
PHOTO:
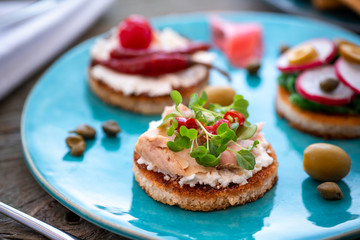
(128, 84)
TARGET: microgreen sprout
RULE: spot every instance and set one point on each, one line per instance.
(210, 134)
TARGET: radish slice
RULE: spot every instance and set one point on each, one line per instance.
(325, 48)
(348, 73)
(308, 86)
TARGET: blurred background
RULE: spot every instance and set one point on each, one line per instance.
(41, 30)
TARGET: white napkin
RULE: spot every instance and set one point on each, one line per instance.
(29, 45)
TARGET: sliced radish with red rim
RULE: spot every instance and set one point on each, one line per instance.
(325, 48)
(308, 86)
(348, 73)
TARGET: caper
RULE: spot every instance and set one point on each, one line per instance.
(253, 67)
(330, 191)
(85, 131)
(76, 144)
(111, 128)
(328, 85)
(326, 162)
(284, 48)
(222, 95)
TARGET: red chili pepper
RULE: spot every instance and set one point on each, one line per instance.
(151, 65)
(212, 129)
(187, 122)
(155, 64)
(122, 53)
(234, 116)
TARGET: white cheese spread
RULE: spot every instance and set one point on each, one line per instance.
(129, 84)
(220, 177)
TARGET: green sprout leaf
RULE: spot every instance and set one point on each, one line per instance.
(199, 152)
(204, 157)
(255, 143)
(179, 143)
(224, 135)
(172, 128)
(201, 117)
(203, 99)
(174, 147)
(212, 149)
(208, 160)
(245, 159)
(176, 97)
(222, 129)
(168, 117)
(193, 100)
(221, 149)
(246, 132)
(182, 141)
(239, 104)
(190, 133)
(234, 126)
(247, 124)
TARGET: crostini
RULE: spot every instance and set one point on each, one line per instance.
(319, 88)
(135, 67)
(205, 159)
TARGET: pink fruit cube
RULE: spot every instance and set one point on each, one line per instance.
(240, 42)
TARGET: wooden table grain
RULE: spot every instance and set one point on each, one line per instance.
(17, 186)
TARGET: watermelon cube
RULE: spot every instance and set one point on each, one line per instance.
(240, 42)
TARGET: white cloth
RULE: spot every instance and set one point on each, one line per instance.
(28, 46)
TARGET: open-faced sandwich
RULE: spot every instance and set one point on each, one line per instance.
(136, 67)
(319, 88)
(204, 159)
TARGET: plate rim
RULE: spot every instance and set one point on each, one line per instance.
(88, 215)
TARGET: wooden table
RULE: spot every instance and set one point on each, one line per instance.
(17, 186)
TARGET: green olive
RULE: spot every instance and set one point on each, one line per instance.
(326, 162)
(330, 191)
(222, 95)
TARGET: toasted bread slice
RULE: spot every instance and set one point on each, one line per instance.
(319, 124)
(204, 197)
(141, 103)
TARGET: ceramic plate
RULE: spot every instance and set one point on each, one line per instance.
(344, 17)
(100, 186)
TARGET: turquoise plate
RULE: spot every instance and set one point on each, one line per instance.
(100, 186)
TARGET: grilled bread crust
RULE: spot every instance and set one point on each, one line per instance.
(204, 197)
(318, 124)
(143, 103)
